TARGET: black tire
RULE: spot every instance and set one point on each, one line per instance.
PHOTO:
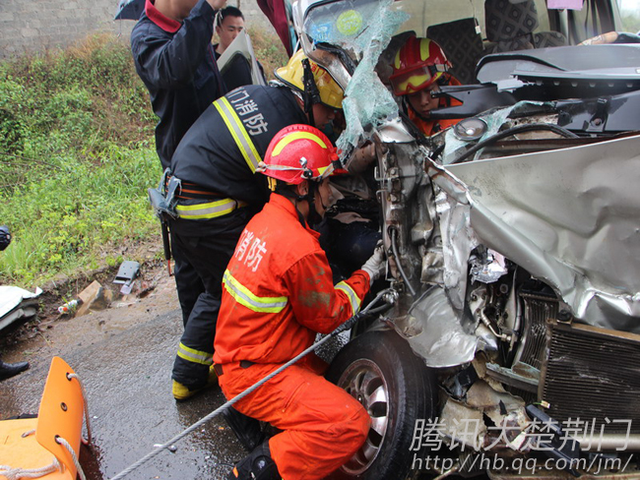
(394, 385)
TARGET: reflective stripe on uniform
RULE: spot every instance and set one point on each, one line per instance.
(194, 356)
(215, 209)
(351, 294)
(244, 297)
(239, 133)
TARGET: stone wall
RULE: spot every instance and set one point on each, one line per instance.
(36, 25)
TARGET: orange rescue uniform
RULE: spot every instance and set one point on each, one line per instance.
(278, 293)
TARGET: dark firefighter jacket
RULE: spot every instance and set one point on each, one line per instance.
(221, 150)
(176, 62)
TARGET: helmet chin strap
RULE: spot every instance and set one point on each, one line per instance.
(407, 105)
(313, 217)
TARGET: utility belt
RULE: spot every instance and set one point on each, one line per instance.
(191, 191)
(168, 202)
(175, 198)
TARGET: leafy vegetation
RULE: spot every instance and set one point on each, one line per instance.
(76, 158)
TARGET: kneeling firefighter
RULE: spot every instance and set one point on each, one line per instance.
(278, 293)
(212, 190)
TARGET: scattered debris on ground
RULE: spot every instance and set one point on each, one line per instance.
(86, 294)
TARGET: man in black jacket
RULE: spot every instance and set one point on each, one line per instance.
(171, 46)
(172, 51)
(220, 190)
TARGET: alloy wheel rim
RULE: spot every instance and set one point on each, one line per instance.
(365, 382)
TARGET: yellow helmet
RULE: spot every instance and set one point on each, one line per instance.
(293, 75)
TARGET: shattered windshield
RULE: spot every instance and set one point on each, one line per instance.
(363, 29)
(342, 24)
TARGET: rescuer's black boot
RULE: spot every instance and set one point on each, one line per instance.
(8, 370)
(246, 428)
(258, 465)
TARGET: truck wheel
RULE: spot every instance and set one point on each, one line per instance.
(381, 371)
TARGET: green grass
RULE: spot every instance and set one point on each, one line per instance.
(76, 158)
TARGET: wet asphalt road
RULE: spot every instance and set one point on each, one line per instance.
(123, 356)
(126, 376)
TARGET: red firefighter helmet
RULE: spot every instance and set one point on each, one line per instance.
(419, 63)
(297, 153)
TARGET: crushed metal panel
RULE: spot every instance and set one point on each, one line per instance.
(458, 237)
(463, 420)
(570, 217)
(453, 414)
(435, 332)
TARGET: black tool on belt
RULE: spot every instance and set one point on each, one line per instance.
(163, 200)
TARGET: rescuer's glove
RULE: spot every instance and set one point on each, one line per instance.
(5, 237)
(376, 263)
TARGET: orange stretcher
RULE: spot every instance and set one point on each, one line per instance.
(48, 445)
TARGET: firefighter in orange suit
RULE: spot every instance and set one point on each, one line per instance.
(278, 293)
(420, 68)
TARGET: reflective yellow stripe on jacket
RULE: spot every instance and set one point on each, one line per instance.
(214, 209)
(239, 133)
(351, 294)
(194, 356)
(246, 298)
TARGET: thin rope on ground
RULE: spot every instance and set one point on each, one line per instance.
(345, 326)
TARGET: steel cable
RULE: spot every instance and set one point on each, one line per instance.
(345, 326)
